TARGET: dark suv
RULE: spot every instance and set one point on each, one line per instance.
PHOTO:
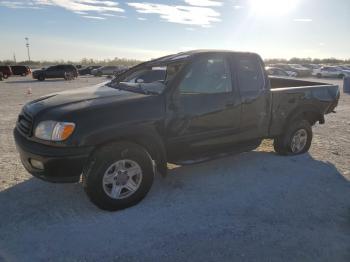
(57, 71)
(87, 70)
(6, 71)
(20, 70)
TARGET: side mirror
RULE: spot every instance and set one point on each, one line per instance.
(139, 81)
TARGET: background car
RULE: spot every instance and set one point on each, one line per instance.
(331, 71)
(298, 69)
(344, 67)
(20, 70)
(311, 66)
(6, 71)
(274, 71)
(57, 71)
(87, 70)
(107, 70)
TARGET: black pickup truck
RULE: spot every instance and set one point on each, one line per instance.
(117, 135)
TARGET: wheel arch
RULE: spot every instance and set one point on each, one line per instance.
(152, 142)
(308, 112)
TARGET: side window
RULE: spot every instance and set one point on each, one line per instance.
(250, 74)
(207, 76)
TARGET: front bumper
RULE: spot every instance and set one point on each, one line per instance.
(61, 164)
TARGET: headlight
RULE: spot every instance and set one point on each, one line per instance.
(54, 131)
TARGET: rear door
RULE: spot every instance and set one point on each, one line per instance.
(205, 110)
(62, 70)
(329, 72)
(255, 95)
(51, 72)
(109, 70)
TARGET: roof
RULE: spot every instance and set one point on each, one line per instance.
(188, 54)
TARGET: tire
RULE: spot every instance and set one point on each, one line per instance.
(299, 132)
(23, 74)
(319, 75)
(99, 74)
(41, 77)
(5, 76)
(100, 169)
(341, 76)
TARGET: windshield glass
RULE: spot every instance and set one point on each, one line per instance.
(147, 75)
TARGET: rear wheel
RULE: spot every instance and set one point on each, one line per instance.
(296, 140)
(119, 176)
(41, 77)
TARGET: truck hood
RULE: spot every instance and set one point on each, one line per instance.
(80, 98)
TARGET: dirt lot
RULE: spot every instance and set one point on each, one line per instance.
(255, 206)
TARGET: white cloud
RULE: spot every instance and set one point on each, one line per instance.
(85, 5)
(204, 2)
(141, 18)
(19, 4)
(237, 7)
(94, 17)
(303, 20)
(81, 7)
(181, 14)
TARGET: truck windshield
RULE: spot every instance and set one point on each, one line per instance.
(146, 75)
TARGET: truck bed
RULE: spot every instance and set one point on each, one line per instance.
(292, 95)
(277, 82)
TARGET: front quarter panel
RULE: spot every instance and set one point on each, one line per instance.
(97, 126)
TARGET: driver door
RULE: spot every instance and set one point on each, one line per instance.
(204, 111)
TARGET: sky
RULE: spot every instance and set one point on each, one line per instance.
(136, 29)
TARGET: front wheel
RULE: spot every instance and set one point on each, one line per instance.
(5, 76)
(41, 77)
(119, 176)
(296, 140)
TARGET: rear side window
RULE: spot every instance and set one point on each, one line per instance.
(207, 76)
(250, 75)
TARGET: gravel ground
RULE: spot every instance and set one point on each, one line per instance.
(255, 206)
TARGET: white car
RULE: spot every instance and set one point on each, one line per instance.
(331, 71)
(107, 70)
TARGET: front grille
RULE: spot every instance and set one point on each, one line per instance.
(25, 123)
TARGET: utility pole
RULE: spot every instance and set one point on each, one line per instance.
(14, 58)
(27, 45)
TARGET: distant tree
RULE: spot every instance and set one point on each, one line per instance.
(131, 62)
